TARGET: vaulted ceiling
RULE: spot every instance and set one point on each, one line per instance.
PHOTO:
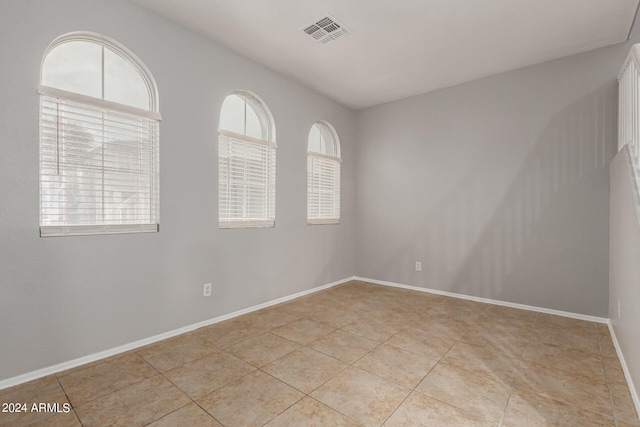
(396, 49)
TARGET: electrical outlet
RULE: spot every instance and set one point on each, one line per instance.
(206, 290)
(418, 266)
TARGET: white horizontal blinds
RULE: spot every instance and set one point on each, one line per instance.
(323, 189)
(98, 169)
(247, 163)
(323, 175)
(247, 181)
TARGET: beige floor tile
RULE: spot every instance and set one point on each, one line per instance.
(623, 406)
(40, 390)
(51, 419)
(422, 411)
(405, 334)
(439, 326)
(45, 390)
(397, 365)
(508, 325)
(592, 395)
(253, 400)
(267, 319)
(544, 320)
(310, 413)
(567, 332)
(95, 362)
(504, 326)
(208, 373)
(343, 345)
(334, 316)
(176, 351)
(565, 359)
(229, 332)
(460, 309)
(305, 369)
(491, 361)
(187, 416)
(607, 349)
(373, 329)
(613, 370)
(509, 341)
(510, 315)
(263, 349)
(396, 316)
(85, 385)
(363, 397)
(474, 393)
(300, 307)
(533, 410)
(303, 331)
(420, 342)
(577, 339)
(137, 404)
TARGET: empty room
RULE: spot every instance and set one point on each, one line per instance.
(319, 213)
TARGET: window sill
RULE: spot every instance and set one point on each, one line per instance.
(86, 230)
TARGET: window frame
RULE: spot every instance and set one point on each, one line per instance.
(64, 99)
(250, 189)
(323, 179)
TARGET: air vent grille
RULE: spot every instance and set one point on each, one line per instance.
(326, 29)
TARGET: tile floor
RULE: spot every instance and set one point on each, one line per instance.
(354, 355)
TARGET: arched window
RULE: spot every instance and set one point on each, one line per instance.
(247, 163)
(323, 175)
(99, 139)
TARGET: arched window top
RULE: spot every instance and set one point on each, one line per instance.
(323, 140)
(245, 114)
(93, 65)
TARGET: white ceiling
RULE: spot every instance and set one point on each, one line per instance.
(400, 48)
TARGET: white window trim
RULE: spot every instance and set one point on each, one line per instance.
(88, 230)
(335, 161)
(97, 102)
(247, 138)
(60, 96)
(115, 46)
(249, 222)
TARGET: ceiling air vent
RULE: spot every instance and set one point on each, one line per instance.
(326, 29)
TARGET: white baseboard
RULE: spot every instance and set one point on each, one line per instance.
(489, 301)
(40, 373)
(625, 369)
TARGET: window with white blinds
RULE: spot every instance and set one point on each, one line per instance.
(99, 143)
(323, 175)
(247, 164)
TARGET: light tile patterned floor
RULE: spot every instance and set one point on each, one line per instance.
(354, 355)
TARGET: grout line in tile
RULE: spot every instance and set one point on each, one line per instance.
(169, 413)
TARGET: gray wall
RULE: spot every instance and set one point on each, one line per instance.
(625, 268)
(63, 298)
(500, 187)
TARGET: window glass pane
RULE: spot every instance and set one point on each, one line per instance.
(232, 114)
(253, 126)
(326, 142)
(257, 120)
(314, 139)
(321, 140)
(74, 66)
(123, 83)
